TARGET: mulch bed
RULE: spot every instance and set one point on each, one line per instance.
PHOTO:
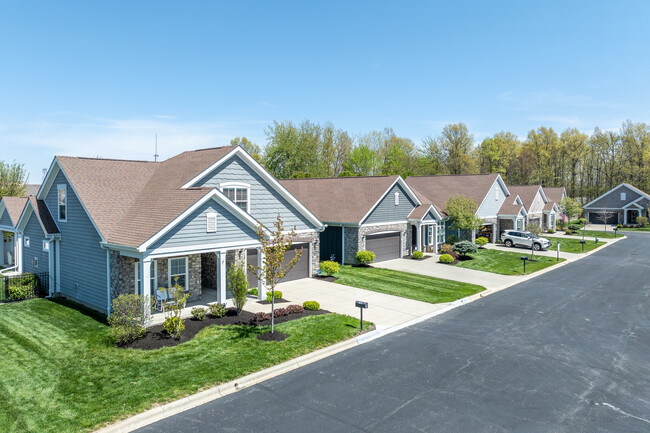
(156, 337)
(423, 258)
(328, 278)
(362, 266)
(277, 301)
(275, 336)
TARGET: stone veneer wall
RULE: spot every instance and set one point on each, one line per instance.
(351, 240)
(314, 239)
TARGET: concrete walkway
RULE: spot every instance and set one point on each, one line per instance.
(383, 310)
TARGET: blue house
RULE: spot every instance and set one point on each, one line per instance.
(103, 227)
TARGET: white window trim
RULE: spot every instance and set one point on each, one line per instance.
(208, 216)
(441, 232)
(153, 275)
(63, 187)
(169, 271)
(239, 185)
(26, 242)
(397, 199)
(623, 196)
(46, 245)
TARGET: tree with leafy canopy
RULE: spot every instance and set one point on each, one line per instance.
(13, 179)
(456, 146)
(274, 267)
(570, 207)
(250, 147)
(462, 213)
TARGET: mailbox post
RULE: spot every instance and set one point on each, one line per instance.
(524, 258)
(583, 245)
(362, 305)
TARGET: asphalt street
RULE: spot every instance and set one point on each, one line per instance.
(568, 351)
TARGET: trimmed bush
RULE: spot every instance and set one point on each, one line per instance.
(311, 305)
(642, 221)
(329, 267)
(464, 247)
(446, 258)
(238, 284)
(417, 254)
(550, 231)
(276, 293)
(295, 309)
(279, 312)
(574, 227)
(482, 241)
(568, 232)
(365, 257)
(127, 318)
(260, 317)
(448, 249)
(583, 221)
(253, 291)
(452, 239)
(217, 310)
(199, 313)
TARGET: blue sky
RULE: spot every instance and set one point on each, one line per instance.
(101, 78)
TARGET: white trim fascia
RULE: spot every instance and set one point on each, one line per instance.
(118, 247)
(198, 249)
(488, 193)
(220, 198)
(435, 212)
(45, 233)
(8, 229)
(633, 203)
(397, 180)
(3, 209)
(314, 231)
(541, 190)
(383, 233)
(265, 175)
(223, 185)
(409, 190)
(49, 179)
(384, 223)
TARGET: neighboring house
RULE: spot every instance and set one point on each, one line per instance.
(371, 213)
(554, 195)
(620, 205)
(104, 227)
(489, 191)
(540, 210)
(512, 214)
(10, 210)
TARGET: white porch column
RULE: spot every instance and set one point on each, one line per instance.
(624, 216)
(2, 248)
(419, 236)
(494, 232)
(18, 255)
(145, 282)
(221, 292)
(261, 286)
(514, 224)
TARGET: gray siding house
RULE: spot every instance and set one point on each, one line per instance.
(620, 205)
(10, 210)
(104, 227)
(371, 213)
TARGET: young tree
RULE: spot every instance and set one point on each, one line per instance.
(462, 213)
(570, 207)
(274, 267)
(238, 286)
(13, 179)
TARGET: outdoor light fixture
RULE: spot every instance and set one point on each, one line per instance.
(583, 245)
(524, 258)
(361, 305)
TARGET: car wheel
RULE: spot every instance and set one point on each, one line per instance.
(508, 243)
(537, 247)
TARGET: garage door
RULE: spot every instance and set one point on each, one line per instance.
(384, 245)
(299, 270)
(596, 218)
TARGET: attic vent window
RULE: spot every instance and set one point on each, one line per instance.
(26, 241)
(62, 200)
(211, 222)
(496, 193)
(397, 199)
(46, 245)
(623, 196)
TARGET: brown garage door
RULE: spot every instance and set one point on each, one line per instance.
(384, 245)
(300, 269)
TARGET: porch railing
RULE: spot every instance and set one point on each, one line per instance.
(23, 286)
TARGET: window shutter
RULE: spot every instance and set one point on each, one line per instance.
(211, 222)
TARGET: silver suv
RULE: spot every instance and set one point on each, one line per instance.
(518, 238)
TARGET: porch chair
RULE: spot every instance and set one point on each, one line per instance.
(161, 299)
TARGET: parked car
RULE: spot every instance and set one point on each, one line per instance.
(512, 238)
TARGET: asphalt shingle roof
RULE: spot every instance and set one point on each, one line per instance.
(15, 207)
(526, 193)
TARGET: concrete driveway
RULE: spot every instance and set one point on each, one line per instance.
(383, 310)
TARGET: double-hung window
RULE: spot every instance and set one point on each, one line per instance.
(62, 201)
(178, 272)
(441, 232)
(238, 195)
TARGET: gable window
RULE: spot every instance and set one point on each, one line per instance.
(26, 241)
(397, 199)
(211, 222)
(62, 201)
(46, 245)
(238, 195)
(153, 271)
(178, 268)
(623, 196)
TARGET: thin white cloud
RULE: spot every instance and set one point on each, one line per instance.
(555, 98)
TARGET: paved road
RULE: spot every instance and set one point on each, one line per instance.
(567, 352)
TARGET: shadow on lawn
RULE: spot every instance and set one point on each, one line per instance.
(95, 315)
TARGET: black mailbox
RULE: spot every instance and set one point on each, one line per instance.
(361, 304)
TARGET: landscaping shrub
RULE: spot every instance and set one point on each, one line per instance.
(560, 224)
(260, 317)
(568, 232)
(279, 312)
(574, 227)
(550, 231)
(311, 305)
(199, 313)
(642, 221)
(446, 258)
(22, 288)
(464, 247)
(365, 257)
(295, 309)
(417, 254)
(253, 291)
(329, 267)
(452, 239)
(582, 221)
(173, 323)
(482, 241)
(448, 249)
(276, 293)
(238, 284)
(217, 310)
(127, 318)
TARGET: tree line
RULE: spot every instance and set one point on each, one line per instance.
(587, 165)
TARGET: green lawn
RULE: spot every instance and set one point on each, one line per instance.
(635, 229)
(506, 263)
(594, 234)
(406, 284)
(59, 371)
(570, 245)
